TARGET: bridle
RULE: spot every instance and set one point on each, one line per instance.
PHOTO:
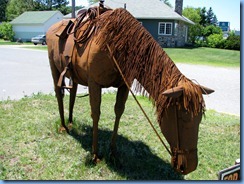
(176, 151)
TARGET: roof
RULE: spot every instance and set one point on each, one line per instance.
(34, 17)
(145, 9)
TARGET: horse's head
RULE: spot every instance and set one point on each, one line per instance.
(180, 128)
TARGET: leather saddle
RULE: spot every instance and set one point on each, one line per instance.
(76, 31)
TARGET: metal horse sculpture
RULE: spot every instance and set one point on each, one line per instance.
(178, 101)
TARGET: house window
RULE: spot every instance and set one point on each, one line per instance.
(165, 28)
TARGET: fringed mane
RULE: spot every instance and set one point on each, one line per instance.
(141, 57)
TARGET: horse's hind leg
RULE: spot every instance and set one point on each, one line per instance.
(73, 91)
(95, 102)
(119, 108)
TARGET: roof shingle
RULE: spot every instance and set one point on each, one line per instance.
(145, 9)
(34, 17)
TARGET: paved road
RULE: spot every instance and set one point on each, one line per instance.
(225, 82)
(26, 71)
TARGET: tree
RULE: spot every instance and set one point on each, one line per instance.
(3, 6)
(203, 16)
(50, 4)
(211, 29)
(208, 17)
(214, 20)
(17, 7)
(195, 31)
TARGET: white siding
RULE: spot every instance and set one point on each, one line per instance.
(27, 31)
(58, 17)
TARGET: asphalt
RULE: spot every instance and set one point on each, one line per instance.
(24, 72)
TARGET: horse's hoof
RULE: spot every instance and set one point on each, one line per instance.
(95, 159)
(70, 125)
(63, 130)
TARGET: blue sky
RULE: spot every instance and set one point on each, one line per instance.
(225, 10)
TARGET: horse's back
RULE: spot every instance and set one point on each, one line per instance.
(89, 61)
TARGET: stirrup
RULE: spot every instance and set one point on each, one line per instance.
(61, 80)
(70, 86)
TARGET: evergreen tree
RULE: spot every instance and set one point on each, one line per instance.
(3, 6)
(203, 16)
(209, 16)
(214, 20)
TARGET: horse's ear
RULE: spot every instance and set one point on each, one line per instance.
(174, 92)
(206, 90)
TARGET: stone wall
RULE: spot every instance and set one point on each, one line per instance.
(176, 40)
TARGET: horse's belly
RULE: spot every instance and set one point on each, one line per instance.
(104, 76)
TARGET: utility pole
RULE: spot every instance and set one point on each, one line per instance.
(73, 9)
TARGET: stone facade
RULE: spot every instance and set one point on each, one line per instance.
(177, 39)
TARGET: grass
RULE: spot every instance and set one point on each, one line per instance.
(205, 56)
(4, 42)
(32, 149)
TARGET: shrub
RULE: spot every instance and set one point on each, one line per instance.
(233, 42)
(215, 41)
(6, 31)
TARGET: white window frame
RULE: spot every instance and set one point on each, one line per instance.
(164, 32)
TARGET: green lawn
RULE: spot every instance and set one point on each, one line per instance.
(3, 42)
(205, 56)
(32, 149)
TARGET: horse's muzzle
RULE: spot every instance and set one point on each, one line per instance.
(184, 161)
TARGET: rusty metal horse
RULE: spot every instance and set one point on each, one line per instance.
(178, 101)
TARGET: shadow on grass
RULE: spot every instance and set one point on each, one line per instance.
(134, 161)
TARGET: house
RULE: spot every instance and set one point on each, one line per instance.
(168, 27)
(33, 23)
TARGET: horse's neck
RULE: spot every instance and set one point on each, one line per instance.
(158, 74)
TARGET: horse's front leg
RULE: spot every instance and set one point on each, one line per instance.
(73, 92)
(59, 95)
(95, 102)
(119, 108)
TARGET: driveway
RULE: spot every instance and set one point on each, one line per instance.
(225, 82)
(26, 71)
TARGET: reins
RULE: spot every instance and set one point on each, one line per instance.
(128, 86)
